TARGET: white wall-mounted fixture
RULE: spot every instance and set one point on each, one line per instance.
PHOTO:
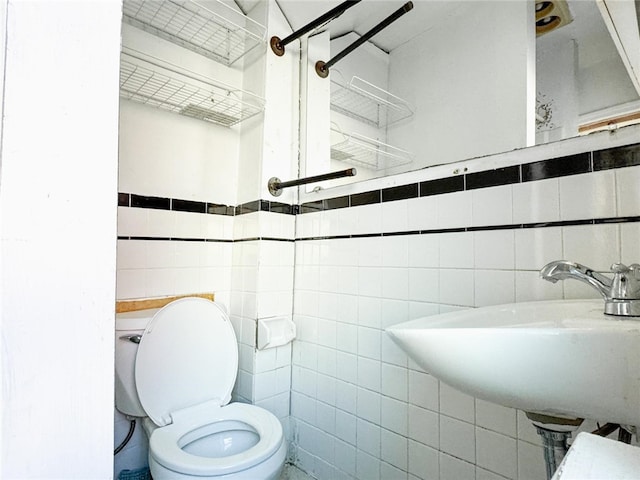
(275, 332)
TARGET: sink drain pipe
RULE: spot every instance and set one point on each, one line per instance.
(554, 432)
(555, 448)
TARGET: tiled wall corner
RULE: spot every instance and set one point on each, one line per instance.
(360, 269)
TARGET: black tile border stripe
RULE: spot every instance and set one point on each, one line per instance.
(188, 206)
(516, 226)
(157, 203)
(493, 178)
(401, 192)
(205, 240)
(441, 186)
(181, 205)
(586, 162)
(619, 157)
(557, 167)
(366, 198)
(217, 209)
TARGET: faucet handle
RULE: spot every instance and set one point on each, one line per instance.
(626, 281)
(619, 268)
(633, 269)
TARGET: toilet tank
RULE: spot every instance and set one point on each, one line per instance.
(129, 325)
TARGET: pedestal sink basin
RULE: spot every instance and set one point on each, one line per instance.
(560, 358)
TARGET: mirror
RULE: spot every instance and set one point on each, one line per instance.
(454, 80)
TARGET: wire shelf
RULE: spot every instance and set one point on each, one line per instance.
(368, 153)
(215, 31)
(164, 86)
(364, 101)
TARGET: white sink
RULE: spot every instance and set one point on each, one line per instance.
(563, 358)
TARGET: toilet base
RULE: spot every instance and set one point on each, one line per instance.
(270, 469)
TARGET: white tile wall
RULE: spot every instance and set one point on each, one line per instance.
(488, 445)
(452, 467)
(590, 195)
(359, 407)
(536, 201)
(627, 192)
(630, 243)
(454, 210)
(537, 246)
(393, 420)
(494, 249)
(456, 404)
(492, 206)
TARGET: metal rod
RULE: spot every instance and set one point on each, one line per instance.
(278, 45)
(322, 68)
(624, 435)
(606, 429)
(276, 186)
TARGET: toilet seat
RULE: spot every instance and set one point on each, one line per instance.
(165, 442)
(186, 367)
(187, 356)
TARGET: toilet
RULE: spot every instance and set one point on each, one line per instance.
(175, 368)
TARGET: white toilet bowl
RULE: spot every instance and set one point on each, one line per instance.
(185, 368)
(237, 441)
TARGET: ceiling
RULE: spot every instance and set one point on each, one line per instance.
(587, 26)
(368, 13)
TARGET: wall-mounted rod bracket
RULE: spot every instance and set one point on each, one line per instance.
(278, 45)
(275, 185)
(322, 68)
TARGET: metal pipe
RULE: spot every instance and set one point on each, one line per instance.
(278, 45)
(606, 429)
(624, 435)
(322, 68)
(132, 427)
(554, 446)
(275, 185)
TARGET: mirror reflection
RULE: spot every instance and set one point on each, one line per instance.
(454, 80)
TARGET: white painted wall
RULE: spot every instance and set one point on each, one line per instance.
(250, 153)
(370, 64)
(165, 154)
(467, 78)
(314, 110)
(168, 155)
(58, 226)
(557, 88)
(282, 87)
(321, 125)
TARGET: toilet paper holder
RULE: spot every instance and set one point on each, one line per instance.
(275, 331)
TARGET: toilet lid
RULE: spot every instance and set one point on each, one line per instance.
(187, 355)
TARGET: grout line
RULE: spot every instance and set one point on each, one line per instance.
(517, 226)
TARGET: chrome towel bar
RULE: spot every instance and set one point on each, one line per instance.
(275, 185)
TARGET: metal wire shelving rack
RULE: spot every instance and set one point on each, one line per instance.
(366, 152)
(159, 84)
(216, 30)
(367, 103)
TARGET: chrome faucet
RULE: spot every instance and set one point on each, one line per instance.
(621, 293)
